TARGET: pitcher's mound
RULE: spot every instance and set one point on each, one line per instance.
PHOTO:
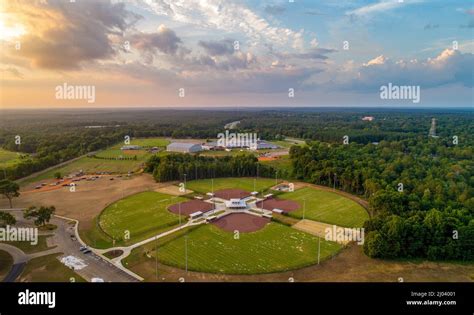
(191, 206)
(241, 222)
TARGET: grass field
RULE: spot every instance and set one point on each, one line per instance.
(6, 262)
(246, 183)
(28, 248)
(91, 165)
(143, 215)
(48, 269)
(327, 207)
(283, 163)
(9, 158)
(272, 249)
(142, 155)
(150, 142)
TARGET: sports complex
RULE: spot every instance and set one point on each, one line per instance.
(221, 226)
(228, 226)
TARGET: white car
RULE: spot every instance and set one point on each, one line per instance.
(97, 280)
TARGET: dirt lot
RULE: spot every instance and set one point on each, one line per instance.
(89, 199)
(172, 190)
(315, 228)
(241, 222)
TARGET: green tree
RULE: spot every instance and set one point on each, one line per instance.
(41, 215)
(57, 175)
(6, 219)
(9, 189)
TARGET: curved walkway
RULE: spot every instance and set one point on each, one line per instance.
(19, 262)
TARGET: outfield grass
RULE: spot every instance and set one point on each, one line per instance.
(48, 269)
(272, 249)
(246, 183)
(143, 215)
(327, 207)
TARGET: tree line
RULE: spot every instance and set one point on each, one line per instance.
(420, 192)
(175, 166)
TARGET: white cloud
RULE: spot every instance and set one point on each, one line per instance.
(229, 17)
(380, 60)
(382, 6)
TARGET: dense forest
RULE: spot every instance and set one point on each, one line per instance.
(53, 136)
(420, 192)
(175, 166)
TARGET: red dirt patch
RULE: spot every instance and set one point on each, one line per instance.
(231, 193)
(241, 222)
(285, 205)
(191, 206)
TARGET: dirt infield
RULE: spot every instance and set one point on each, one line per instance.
(273, 203)
(315, 228)
(231, 193)
(191, 206)
(241, 222)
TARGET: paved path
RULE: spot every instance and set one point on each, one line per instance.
(128, 249)
(19, 262)
(63, 243)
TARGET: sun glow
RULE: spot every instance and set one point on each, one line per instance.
(9, 32)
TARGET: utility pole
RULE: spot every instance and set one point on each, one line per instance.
(212, 191)
(156, 258)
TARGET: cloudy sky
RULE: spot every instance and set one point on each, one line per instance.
(236, 53)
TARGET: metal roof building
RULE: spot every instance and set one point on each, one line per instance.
(183, 147)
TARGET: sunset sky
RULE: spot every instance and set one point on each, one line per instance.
(140, 53)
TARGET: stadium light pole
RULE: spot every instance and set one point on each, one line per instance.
(156, 257)
(186, 251)
(304, 207)
(179, 209)
(319, 248)
(212, 192)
